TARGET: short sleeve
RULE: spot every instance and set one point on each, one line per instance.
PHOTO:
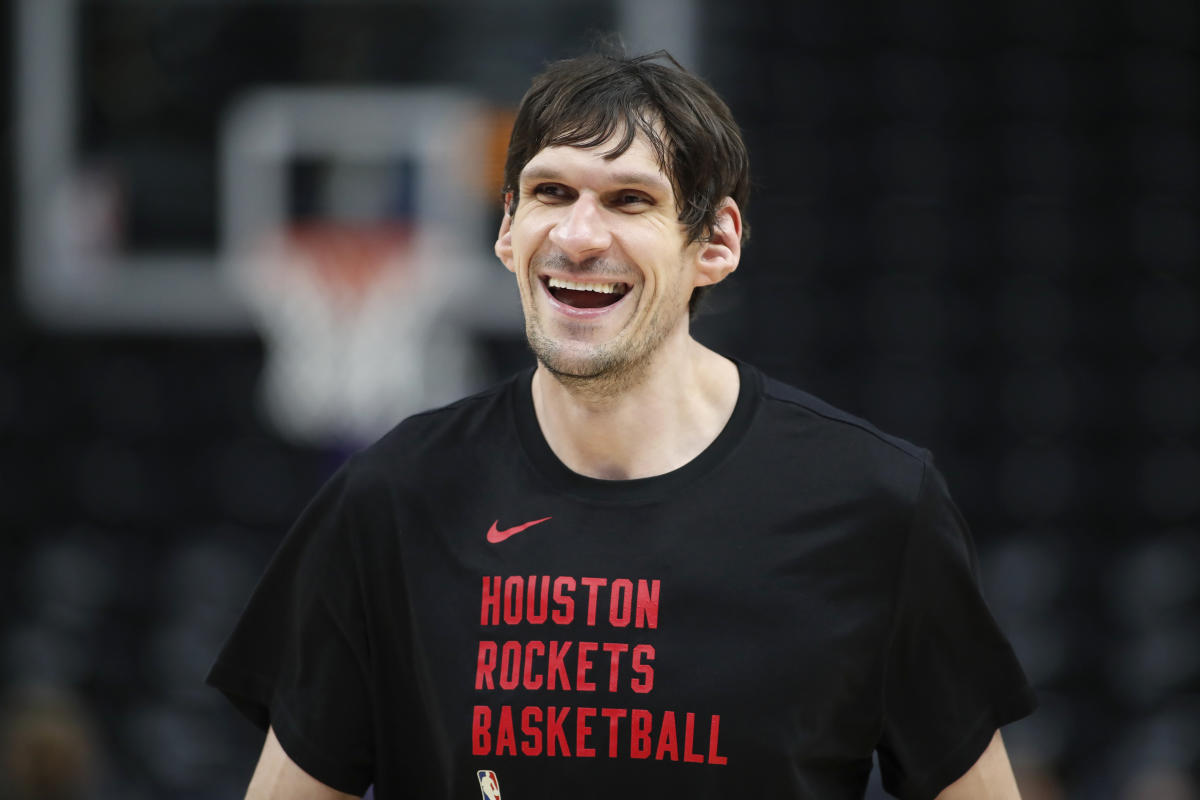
(951, 678)
(298, 658)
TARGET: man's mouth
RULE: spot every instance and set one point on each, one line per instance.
(578, 294)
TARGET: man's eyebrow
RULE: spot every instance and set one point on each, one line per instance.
(648, 179)
(540, 174)
(645, 179)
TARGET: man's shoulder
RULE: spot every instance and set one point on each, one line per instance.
(837, 449)
(441, 433)
(833, 420)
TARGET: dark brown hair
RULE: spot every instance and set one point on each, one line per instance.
(582, 102)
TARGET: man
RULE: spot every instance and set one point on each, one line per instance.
(641, 567)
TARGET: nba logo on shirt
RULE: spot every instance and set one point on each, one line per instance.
(488, 784)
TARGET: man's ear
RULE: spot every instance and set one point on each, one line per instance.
(503, 245)
(720, 255)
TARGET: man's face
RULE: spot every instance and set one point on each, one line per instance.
(601, 259)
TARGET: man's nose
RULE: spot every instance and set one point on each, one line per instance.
(582, 230)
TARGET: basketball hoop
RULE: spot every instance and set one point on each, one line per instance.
(350, 257)
(350, 328)
(343, 261)
(364, 321)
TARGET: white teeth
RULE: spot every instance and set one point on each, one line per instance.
(604, 288)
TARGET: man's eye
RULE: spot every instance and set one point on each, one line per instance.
(548, 190)
(632, 199)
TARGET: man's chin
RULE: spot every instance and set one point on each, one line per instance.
(575, 363)
(580, 368)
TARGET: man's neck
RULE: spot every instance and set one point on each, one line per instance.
(659, 420)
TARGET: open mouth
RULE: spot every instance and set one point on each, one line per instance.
(585, 295)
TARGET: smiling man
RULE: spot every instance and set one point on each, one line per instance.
(639, 567)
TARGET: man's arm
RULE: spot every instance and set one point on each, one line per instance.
(990, 779)
(277, 777)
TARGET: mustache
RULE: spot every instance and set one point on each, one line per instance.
(594, 267)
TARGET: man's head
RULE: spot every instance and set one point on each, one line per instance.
(587, 101)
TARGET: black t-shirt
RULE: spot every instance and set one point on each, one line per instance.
(457, 611)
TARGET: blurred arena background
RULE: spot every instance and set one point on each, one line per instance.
(241, 238)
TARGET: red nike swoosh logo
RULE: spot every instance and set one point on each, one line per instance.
(495, 535)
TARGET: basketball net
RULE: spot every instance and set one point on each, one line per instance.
(352, 329)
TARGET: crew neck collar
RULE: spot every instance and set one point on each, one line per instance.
(636, 490)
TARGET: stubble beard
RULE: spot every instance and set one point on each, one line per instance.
(603, 370)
